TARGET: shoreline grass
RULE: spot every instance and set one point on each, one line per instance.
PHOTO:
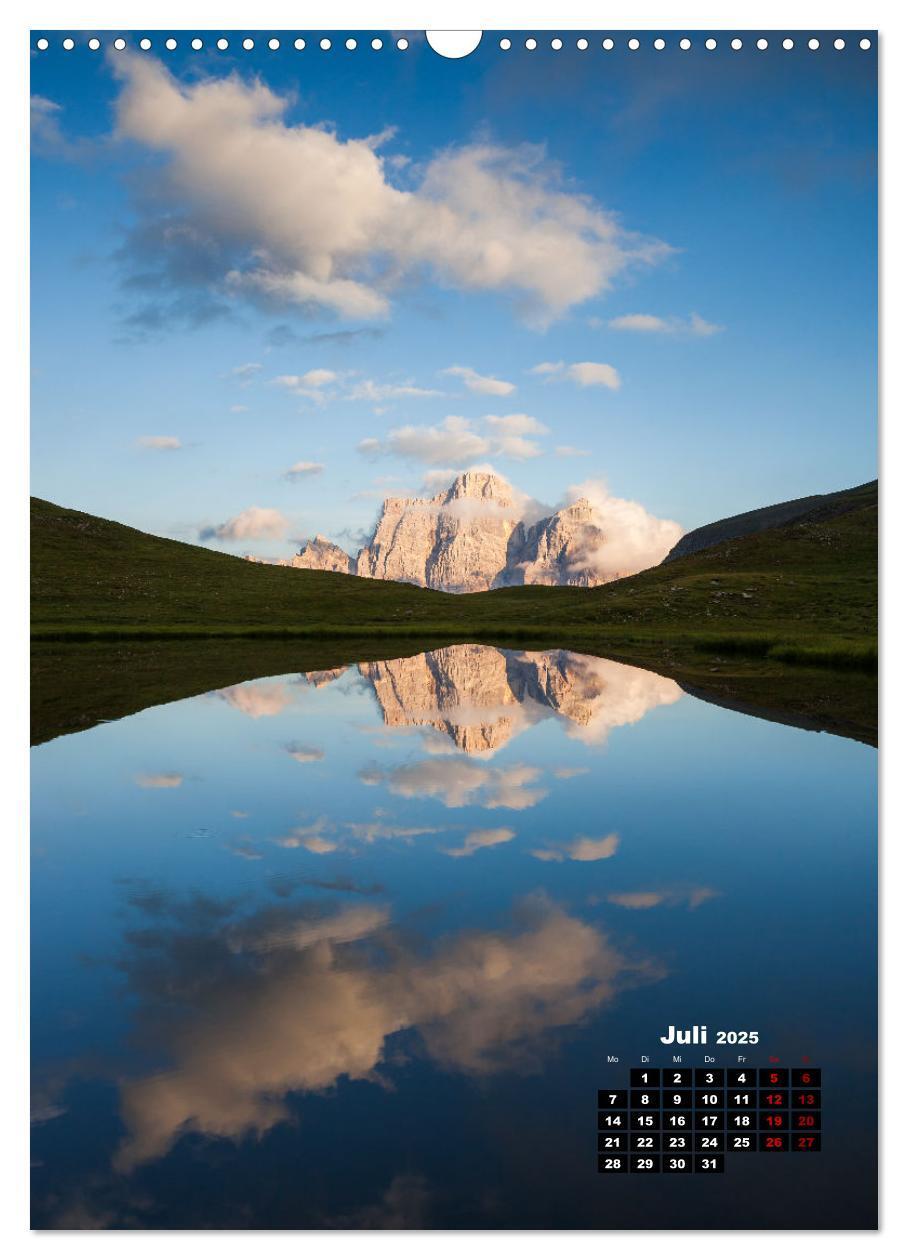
(828, 651)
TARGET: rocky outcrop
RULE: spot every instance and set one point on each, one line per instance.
(456, 541)
(472, 537)
(556, 551)
(320, 553)
(480, 697)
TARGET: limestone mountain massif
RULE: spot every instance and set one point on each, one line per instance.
(470, 537)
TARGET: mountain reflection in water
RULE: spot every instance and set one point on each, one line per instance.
(481, 697)
(350, 948)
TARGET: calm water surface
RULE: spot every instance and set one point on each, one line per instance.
(351, 949)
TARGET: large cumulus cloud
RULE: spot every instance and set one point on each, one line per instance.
(294, 214)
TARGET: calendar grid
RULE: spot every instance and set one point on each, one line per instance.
(686, 1120)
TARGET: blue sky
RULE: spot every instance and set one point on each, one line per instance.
(214, 262)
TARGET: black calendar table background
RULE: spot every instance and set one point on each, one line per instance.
(677, 1120)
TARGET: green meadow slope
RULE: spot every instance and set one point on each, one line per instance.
(809, 585)
(780, 623)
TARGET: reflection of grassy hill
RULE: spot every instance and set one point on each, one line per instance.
(116, 611)
(807, 588)
(77, 685)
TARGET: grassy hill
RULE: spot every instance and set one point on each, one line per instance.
(781, 623)
(805, 589)
(817, 506)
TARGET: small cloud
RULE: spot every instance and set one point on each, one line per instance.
(48, 137)
(694, 326)
(284, 335)
(583, 849)
(456, 441)
(303, 468)
(566, 452)
(452, 441)
(311, 384)
(247, 851)
(377, 392)
(461, 782)
(480, 384)
(517, 423)
(238, 407)
(631, 538)
(639, 323)
(159, 443)
(311, 836)
(256, 700)
(322, 385)
(245, 372)
(484, 838)
(584, 374)
(650, 899)
(372, 831)
(158, 781)
(254, 522)
(637, 900)
(509, 435)
(305, 753)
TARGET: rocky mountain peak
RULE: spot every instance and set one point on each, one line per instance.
(479, 485)
(470, 537)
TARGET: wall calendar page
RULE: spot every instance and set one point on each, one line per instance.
(454, 630)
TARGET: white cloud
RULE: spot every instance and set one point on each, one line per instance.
(330, 1001)
(634, 538)
(644, 900)
(584, 374)
(159, 443)
(694, 326)
(309, 385)
(345, 297)
(480, 384)
(324, 224)
(257, 699)
(303, 468)
(373, 391)
(159, 780)
(565, 452)
(458, 782)
(310, 836)
(455, 440)
(484, 838)
(594, 374)
(245, 372)
(509, 435)
(254, 522)
(372, 831)
(315, 384)
(305, 753)
(452, 441)
(514, 424)
(583, 849)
